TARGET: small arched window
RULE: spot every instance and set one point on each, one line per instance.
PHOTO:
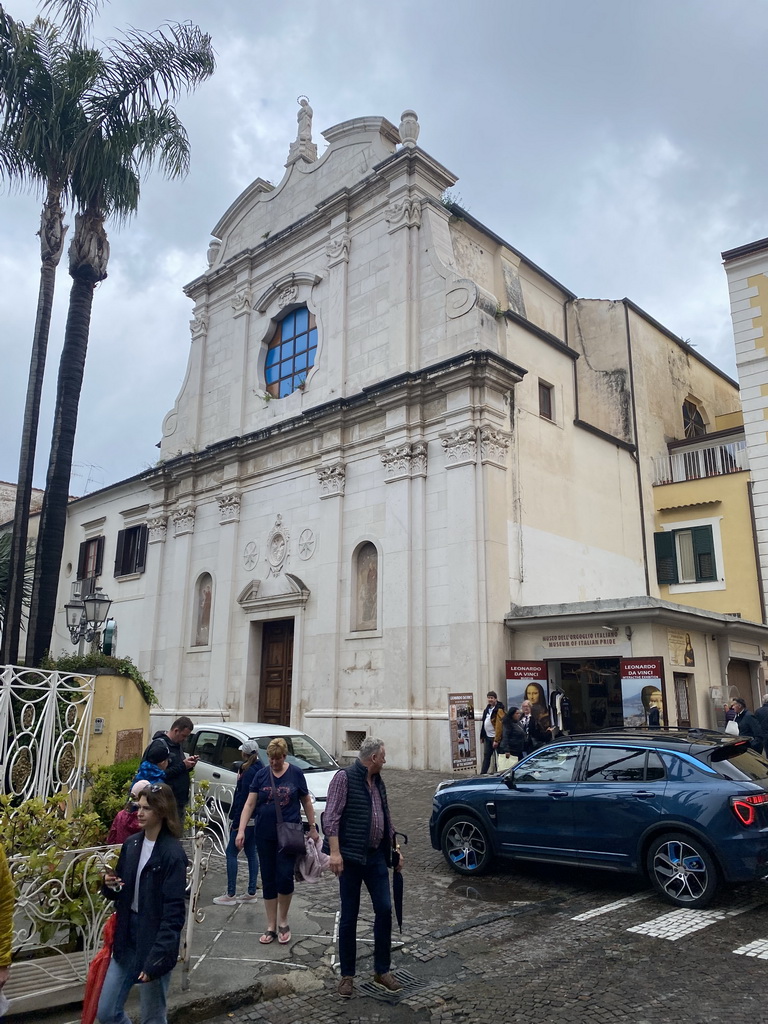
(203, 608)
(693, 421)
(366, 581)
(291, 353)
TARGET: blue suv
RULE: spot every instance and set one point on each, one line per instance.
(688, 808)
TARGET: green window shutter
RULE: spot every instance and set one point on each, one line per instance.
(704, 554)
(666, 560)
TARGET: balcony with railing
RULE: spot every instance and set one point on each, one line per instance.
(696, 460)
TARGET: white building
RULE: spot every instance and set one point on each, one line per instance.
(395, 432)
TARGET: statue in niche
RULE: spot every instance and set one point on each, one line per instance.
(367, 587)
(203, 625)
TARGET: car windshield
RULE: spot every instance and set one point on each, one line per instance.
(302, 751)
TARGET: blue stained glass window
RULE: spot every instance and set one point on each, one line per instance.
(301, 317)
(291, 353)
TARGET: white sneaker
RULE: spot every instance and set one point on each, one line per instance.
(225, 900)
(247, 897)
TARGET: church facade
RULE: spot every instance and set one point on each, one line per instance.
(402, 456)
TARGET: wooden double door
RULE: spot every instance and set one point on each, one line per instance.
(276, 672)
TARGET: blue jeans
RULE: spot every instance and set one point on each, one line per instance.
(118, 983)
(375, 875)
(249, 849)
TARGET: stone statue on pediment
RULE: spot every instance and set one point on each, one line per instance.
(303, 148)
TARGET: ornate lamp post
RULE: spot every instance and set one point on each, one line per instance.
(85, 618)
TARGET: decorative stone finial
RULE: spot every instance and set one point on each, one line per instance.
(409, 128)
(303, 148)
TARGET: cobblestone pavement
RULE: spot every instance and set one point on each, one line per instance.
(533, 944)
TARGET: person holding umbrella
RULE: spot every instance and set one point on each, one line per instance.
(361, 841)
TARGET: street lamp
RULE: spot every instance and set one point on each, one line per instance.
(85, 618)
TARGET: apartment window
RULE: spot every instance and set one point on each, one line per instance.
(546, 405)
(291, 353)
(90, 558)
(131, 555)
(686, 556)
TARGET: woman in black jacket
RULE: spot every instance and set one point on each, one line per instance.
(513, 738)
(148, 889)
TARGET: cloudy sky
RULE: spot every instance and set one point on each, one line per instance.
(621, 146)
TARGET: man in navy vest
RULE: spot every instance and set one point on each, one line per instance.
(360, 837)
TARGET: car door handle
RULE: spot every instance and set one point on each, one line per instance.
(643, 794)
(557, 792)
(216, 775)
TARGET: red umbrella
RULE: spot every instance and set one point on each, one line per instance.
(97, 972)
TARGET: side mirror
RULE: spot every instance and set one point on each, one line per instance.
(509, 778)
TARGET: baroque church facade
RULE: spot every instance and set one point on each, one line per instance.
(402, 455)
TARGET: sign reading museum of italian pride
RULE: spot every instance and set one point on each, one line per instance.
(461, 721)
(641, 689)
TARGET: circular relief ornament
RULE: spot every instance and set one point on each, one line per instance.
(307, 544)
(250, 554)
(276, 552)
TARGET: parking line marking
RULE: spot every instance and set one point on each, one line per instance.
(679, 923)
(617, 905)
(758, 948)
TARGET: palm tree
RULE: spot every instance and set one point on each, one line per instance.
(41, 79)
(128, 123)
(5, 561)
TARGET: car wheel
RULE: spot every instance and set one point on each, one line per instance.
(682, 870)
(466, 846)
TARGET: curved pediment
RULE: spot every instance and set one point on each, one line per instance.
(284, 590)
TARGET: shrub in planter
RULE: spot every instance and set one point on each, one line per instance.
(110, 785)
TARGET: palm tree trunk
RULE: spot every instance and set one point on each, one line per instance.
(52, 233)
(88, 258)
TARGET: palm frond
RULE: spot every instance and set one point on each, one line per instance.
(75, 16)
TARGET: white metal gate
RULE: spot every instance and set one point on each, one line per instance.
(45, 724)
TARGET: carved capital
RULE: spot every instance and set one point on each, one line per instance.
(332, 479)
(158, 528)
(337, 250)
(241, 301)
(229, 508)
(198, 326)
(494, 445)
(184, 520)
(460, 447)
(403, 461)
(405, 213)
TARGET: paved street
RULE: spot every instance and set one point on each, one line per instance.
(532, 944)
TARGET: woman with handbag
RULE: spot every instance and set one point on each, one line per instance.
(277, 795)
(511, 738)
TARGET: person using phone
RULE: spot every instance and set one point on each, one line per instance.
(148, 889)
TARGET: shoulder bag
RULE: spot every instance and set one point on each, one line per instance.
(290, 834)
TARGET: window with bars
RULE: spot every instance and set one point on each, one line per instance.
(291, 353)
(685, 556)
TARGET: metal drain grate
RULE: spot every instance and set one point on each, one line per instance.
(409, 982)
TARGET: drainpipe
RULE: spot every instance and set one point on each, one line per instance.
(760, 590)
(637, 453)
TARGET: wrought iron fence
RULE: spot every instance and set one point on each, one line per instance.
(45, 722)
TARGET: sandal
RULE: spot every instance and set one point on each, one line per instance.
(268, 937)
(285, 934)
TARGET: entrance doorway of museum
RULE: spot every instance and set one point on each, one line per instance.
(593, 687)
(276, 673)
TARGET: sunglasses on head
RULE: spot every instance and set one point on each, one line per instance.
(157, 787)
